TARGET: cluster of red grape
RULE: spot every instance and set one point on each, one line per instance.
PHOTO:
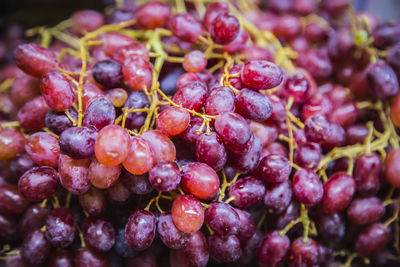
(199, 133)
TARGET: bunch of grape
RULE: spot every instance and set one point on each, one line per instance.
(201, 133)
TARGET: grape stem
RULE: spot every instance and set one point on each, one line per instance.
(226, 184)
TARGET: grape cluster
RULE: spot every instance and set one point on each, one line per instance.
(200, 133)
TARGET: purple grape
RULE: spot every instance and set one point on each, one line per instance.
(273, 249)
(274, 168)
(140, 229)
(171, 236)
(39, 183)
(211, 150)
(60, 228)
(98, 233)
(35, 248)
(99, 114)
(247, 191)
(165, 176)
(307, 187)
(78, 142)
(277, 197)
(253, 105)
(225, 248)
(108, 73)
(223, 219)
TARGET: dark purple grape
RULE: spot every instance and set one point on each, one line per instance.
(331, 228)
(250, 247)
(247, 225)
(225, 248)
(121, 247)
(303, 254)
(223, 219)
(15, 260)
(140, 229)
(274, 168)
(74, 174)
(307, 155)
(8, 231)
(136, 100)
(93, 201)
(365, 210)
(224, 28)
(98, 233)
(292, 212)
(211, 150)
(382, 80)
(386, 34)
(118, 15)
(60, 258)
(60, 227)
(20, 165)
(317, 128)
(273, 249)
(78, 142)
(35, 248)
(171, 236)
(220, 100)
(372, 239)
(196, 252)
(246, 163)
(86, 257)
(39, 183)
(165, 176)
(277, 196)
(247, 191)
(307, 187)
(261, 75)
(33, 218)
(253, 105)
(393, 57)
(138, 184)
(100, 113)
(11, 200)
(338, 192)
(58, 122)
(108, 73)
(368, 174)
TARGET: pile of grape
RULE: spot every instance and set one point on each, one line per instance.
(202, 133)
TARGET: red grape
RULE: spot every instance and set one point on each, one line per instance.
(56, 90)
(187, 214)
(112, 145)
(38, 183)
(199, 180)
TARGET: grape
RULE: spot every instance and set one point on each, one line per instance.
(225, 248)
(274, 168)
(316, 62)
(87, 20)
(138, 184)
(56, 91)
(136, 100)
(277, 196)
(365, 210)
(238, 44)
(292, 212)
(191, 96)
(298, 87)
(316, 105)
(89, 94)
(331, 228)
(43, 149)
(87, 257)
(187, 214)
(118, 192)
(34, 218)
(11, 200)
(58, 122)
(224, 28)
(60, 227)
(171, 236)
(121, 247)
(60, 258)
(213, 10)
(132, 50)
(338, 192)
(261, 75)
(220, 100)
(34, 59)
(117, 97)
(23, 89)
(317, 128)
(99, 114)
(315, 33)
(356, 134)
(246, 163)
(137, 73)
(32, 115)
(194, 61)
(372, 239)
(345, 115)
(393, 57)
(153, 15)
(12, 143)
(190, 135)
(247, 191)
(253, 105)
(35, 248)
(273, 249)
(140, 229)
(185, 27)
(78, 142)
(307, 187)
(223, 219)
(103, 176)
(15, 260)
(112, 145)
(161, 145)
(386, 34)
(93, 201)
(195, 253)
(173, 121)
(140, 157)
(307, 155)
(74, 174)
(8, 232)
(391, 167)
(141, 259)
(382, 80)
(165, 176)
(368, 174)
(98, 233)
(200, 180)
(288, 26)
(234, 130)
(303, 253)
(108, 73)
(211, 150)
(38, 183)
(250, 247)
